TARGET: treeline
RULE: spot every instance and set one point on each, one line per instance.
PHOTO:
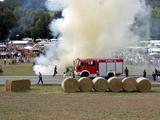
(30, 18)
(154, 18)
(25, 18)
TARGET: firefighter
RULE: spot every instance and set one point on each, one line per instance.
(126, 71)
(154, 76)
(97, 73)
(156, 73)
(73, 75)
(55, 71)
(144, 73)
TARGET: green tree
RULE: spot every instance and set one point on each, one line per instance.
(7, 21)
(40, 28)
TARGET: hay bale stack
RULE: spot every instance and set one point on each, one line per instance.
(17, 85)
(69, 85)
(143, 84)
(100, 84)
(115, 84)
(129, 84)
(85, 84)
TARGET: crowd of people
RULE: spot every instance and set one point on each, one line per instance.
(12, 55)
(15, 59)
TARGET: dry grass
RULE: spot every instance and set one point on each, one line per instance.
(21, 69)
(48, 102)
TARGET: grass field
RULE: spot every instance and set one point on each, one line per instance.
(48, 102)
(20, 69)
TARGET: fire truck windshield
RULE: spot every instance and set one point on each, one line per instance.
(79, 62)
(89, 63)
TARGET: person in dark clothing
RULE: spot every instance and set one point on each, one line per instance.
(73, 75)
(156, 73)
(154, 76)
(5, 61)
(97, 73)
(33, 64)
(40, 78)
(126, 71)
(55, 71)
(144, 73)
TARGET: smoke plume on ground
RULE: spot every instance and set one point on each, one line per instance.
(89, 29)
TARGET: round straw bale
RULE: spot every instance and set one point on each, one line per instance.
(69, 85)
(20, 85)
(100, 84)
(17, 85)
(115, 85)
(143, 84)
(85, 84)
(8, 85)
(129, 84)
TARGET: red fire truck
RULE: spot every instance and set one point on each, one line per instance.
(98, 67)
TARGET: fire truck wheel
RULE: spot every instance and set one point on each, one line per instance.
(84, 74)
(111, 74)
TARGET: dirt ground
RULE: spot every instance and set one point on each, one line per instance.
(50, 103)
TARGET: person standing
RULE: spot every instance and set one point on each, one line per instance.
(73, 75)
(156, 73)
(144, 73)
(5, 61)
(154, 76)
(55, 71)
(126, 71)
(97, 73)
(40, 78)
(64, 75)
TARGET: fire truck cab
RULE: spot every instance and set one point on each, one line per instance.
(98, 67)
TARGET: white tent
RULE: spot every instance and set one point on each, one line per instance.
(28, 48)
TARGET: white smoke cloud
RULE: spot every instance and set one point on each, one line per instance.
(1, 0)
(141, 27)
(89, 28)
(55, 5)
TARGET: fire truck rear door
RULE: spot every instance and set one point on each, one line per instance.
(111, 67)
(119, 67)
(102, 69)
